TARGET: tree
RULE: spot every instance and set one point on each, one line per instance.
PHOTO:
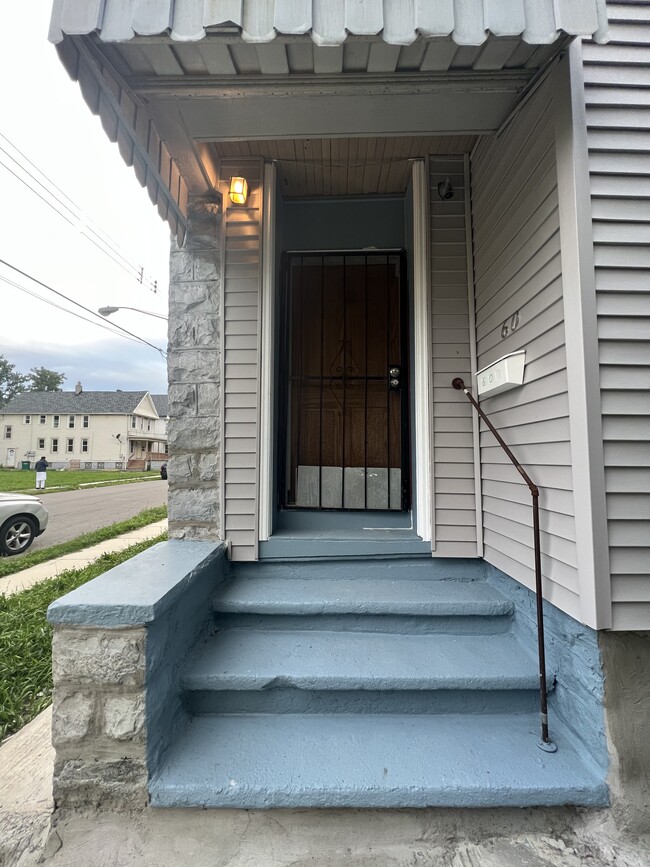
(42, 379)
(11, 382)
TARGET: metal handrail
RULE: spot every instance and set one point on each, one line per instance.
(546, 743)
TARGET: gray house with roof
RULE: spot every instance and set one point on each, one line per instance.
(85, 429)
(367, 202)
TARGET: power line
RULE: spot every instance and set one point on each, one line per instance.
(42, 198)
(65, 309)
(75, 209)
(103, 246)
(108, 245)
(77, 304)
(132, 270)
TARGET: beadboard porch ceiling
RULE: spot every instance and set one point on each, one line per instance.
(344, 166)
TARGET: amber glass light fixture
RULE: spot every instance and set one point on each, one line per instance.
(238, 191)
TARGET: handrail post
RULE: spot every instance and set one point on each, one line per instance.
(546, 743)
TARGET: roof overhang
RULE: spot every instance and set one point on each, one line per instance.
(167, 78)
(329, 22)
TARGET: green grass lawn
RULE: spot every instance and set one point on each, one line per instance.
(69, 480)
(26, 640)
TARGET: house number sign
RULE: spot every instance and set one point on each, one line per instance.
(510, 325)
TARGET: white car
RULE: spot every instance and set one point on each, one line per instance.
(22, 518)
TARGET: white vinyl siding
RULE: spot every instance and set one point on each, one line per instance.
(241, 264)
(518, 270)
(617, 94)
(453, 443)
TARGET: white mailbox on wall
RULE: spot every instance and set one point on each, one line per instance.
(501, 375)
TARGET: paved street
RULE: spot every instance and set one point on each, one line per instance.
(75, 512)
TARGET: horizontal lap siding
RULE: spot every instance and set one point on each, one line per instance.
(453, 461)
(517, 267)
(617, 93)
(242, 253)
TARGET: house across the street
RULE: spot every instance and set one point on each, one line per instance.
(88, 430)
(370, 201)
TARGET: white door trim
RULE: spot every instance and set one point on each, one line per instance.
(267, 356)
(423, 453)
(423, 456)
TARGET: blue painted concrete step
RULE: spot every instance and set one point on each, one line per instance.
(359, 760)
(462, 568)
(243, 659)
(360, 595)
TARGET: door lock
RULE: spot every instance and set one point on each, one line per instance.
(394, 375)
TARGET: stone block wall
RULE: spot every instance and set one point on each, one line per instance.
(98, 717)
(195, 378)
(120, 644)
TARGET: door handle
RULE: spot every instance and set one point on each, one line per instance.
(394, 377)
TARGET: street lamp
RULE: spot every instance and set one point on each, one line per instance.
(106, 311)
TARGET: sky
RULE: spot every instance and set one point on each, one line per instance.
(45, 120)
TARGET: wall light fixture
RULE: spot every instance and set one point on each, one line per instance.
(238, 191)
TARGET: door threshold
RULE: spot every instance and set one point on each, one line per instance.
(344, 544)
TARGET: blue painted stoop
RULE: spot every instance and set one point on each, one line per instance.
(392, 683)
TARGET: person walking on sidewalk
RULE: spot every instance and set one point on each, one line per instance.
(41, 473)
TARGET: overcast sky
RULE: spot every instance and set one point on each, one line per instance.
(44, 116)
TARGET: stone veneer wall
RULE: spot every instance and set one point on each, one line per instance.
(98, 717)
(120, 644)
(195, 378)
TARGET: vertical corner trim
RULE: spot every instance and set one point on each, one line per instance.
(579, 295)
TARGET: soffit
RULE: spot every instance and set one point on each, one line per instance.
(214, 56)
(344, 166)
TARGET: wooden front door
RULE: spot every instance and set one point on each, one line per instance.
(344, 436)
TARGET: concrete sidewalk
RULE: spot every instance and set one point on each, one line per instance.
(52, 568)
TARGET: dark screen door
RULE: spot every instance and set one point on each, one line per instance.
(344, 436)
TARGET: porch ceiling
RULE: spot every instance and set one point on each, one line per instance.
(344, 166)
(169, 77)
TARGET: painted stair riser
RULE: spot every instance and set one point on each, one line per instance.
(460, 569)
(396, 624)
(297, 701)
(307, 550)
(311, 797)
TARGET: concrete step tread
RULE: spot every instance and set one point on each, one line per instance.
(355, 564)
(262, 659)
(361, 595)
(451, 760)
